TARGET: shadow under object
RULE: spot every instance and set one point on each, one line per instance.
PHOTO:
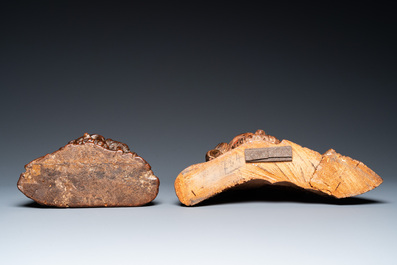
(35, 205)
(280, 194)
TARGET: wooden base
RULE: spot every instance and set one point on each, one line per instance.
(90, 172)
(329, 174)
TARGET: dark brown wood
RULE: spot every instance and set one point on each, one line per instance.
(90, 171)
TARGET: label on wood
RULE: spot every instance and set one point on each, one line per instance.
(269, 154)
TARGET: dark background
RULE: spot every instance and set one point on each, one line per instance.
(172, 80)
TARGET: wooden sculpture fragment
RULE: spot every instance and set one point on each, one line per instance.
(90, 171)
(258, 159)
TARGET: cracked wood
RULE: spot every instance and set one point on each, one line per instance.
(90, 171)
(329, 174)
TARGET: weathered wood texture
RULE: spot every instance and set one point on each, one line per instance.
(90, 171)
(328, 174)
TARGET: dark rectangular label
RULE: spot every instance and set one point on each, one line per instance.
(269, 154)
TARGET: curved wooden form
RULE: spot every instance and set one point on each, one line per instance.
(226, 167)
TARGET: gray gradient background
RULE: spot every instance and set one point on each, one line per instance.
(172, 81)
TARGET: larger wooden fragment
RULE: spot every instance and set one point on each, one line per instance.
(226, 167)
(90, 172)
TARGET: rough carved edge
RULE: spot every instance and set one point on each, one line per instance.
(240, 139)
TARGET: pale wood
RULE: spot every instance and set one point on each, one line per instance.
(328, 174)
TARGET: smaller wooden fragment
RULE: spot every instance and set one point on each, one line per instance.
(269, 154)
(90, 171)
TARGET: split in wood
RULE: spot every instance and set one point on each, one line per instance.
(257, 156)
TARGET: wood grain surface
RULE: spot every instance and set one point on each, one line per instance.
(328, 174)
(90, 172)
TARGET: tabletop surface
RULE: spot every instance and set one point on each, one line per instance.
(258, 226)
